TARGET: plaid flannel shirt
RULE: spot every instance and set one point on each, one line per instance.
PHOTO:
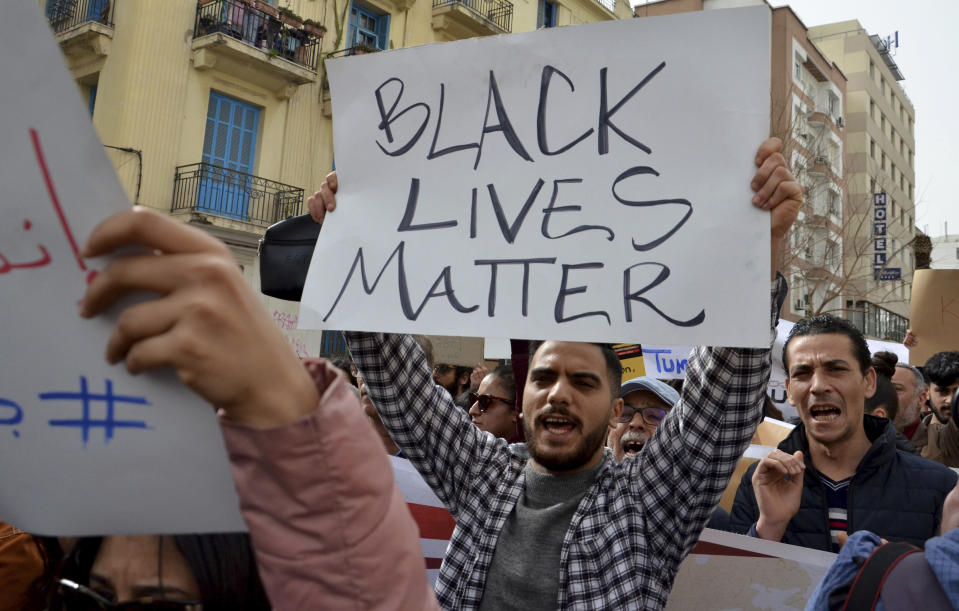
(639, 519)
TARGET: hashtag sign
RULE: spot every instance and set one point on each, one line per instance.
(86, 422)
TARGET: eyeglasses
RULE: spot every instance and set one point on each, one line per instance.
(442, 370)
(485, 401)
(78, 597)
(652, 416)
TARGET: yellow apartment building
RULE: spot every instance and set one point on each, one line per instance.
(880, 180)
(217, 111)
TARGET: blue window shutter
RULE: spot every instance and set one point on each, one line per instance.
(230, 143)
(95, 8)
(354, 23)
(231, 131)
(383, 32)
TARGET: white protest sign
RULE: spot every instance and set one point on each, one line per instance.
(582, 183)
(85, 448)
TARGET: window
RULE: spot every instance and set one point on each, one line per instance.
(882, 81)
(883, 160)
(546, 15)
(892, 171)
(232, 128)
(93, 97)
(797, 69)
(872, 70)
(368, 28)
(957, 253)
(833, 105)
(872, 148)
(832, 202)
(872, 110)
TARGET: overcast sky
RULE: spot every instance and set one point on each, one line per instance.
(928, 56)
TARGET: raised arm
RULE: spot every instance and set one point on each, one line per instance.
(436, 435)
(684, 469)
(453, 456)
(326, 519)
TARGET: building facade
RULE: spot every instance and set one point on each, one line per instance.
(945, 252)
(217, 111)
(880, 179)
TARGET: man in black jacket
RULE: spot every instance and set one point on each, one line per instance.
(839, 470)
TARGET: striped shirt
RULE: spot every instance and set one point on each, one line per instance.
(837, 494)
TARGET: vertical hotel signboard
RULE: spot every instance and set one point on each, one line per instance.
(879, 224)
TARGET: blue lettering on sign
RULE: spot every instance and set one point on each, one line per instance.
(13, 420)
(879, 258)
(880, 244)
(86, 422)
(879, 214)
(664, 364)
(879, 199)
(878, 229)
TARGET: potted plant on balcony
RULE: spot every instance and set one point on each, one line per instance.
(290, 18)
(266, 7)
(313, 28)
(362, 49)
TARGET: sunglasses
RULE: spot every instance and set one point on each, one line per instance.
(485, 401)
(651, 415)
(78, 597)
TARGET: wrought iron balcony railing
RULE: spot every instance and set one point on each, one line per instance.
(259, 29)
(497, 12)
(65, 14)
(204, 187)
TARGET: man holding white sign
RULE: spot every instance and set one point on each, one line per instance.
(557, 522)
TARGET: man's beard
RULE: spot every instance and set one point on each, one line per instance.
(579, 456)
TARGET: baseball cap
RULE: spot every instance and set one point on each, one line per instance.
(664, 391)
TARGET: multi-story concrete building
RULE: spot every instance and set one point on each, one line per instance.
(807, 111)
(945, 251)
(217, 111)
(880, 179)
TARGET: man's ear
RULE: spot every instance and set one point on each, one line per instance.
(880, 412)
(870, 382)
(789, 395)
(615, 413)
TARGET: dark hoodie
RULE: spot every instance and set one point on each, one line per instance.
(894, 494)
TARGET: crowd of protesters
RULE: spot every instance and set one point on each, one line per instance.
(569, 487)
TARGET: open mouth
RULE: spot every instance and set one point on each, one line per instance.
(632, 447)
(825, 413)
(558, 425)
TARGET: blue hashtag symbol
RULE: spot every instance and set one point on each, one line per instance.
(86, 423)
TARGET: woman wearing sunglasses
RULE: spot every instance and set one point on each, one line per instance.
(492, 407)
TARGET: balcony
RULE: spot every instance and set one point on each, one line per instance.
(256, 43)
(84, 29)
(207, 189)
(469, 18)
(64, 15)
